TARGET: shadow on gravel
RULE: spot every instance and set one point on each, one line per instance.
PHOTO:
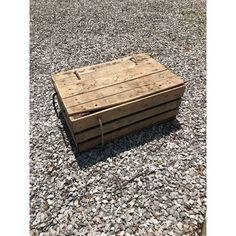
(102, 153)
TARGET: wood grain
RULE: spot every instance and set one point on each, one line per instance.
(82, 123)
(128, 129)
(124, 121)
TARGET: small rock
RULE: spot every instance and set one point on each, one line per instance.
(164, 198)
(94, 210)
(121, 233)
(186, 228)
(154, 221)
(50, 202)
(44, 234)
(129, 231)
(180, 225)
(140, 184)
(131, 211)
(50, 196)
(190, 202)
(52, 232)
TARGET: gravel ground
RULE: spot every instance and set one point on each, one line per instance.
(152, 182)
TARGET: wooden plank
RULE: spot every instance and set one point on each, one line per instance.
(106, 65)
(115, 68)
(62, 75)
(124, 93)
(130, 61)
(92, 68)
(118, 88)
(82, 123)
(128, 129)
(65, 78)
(110, 79)
(127, 120)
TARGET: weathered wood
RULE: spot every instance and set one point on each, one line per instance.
(61, 81)
(109, 80)
(122, 96)
(98, 101)
(124, 121)
(82, 123)
(128, 129)
(117, 68)
(127, 62)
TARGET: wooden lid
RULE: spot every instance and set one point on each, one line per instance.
(96, 87)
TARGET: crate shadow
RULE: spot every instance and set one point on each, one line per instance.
(119, 145)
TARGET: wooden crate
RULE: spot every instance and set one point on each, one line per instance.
(106, 101)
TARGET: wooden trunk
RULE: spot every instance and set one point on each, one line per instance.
(109, 100)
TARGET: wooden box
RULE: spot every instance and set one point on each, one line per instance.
(109, 100)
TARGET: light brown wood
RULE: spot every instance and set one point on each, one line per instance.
(127, 62)
(62, 78)
(126, 67)
(109, 79)
(128, 129)
(124, 121)
(68, 82)
(106, 65)
(124, 93)
(82, 123)
(62, 75)
(135, 82)
(64, 81)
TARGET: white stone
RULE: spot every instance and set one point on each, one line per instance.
(180, 225)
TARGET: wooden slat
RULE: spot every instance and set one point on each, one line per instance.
(110, 79)
(129, 62)
(127, 120)
(119, 94)
(91, 69)
(118, 88)
(116, 68)
(106, 65)
(128, 129)
(62, 75)
(64, 81)
(82, 123)
(62, 78)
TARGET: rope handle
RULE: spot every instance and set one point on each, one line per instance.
(102, 133)
(57, 114)
(54, 104)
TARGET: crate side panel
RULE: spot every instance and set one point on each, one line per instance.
(127, 130)
(124, 121)
(80, 124)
